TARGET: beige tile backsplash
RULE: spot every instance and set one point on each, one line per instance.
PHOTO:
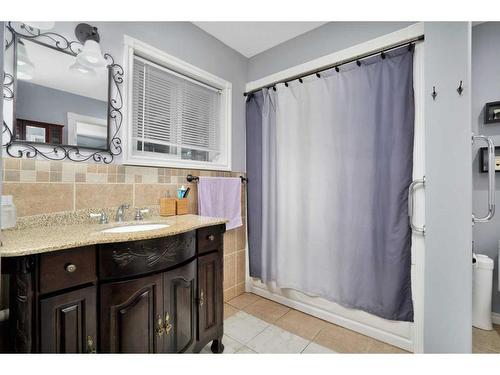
(40, 197)
(46, 187)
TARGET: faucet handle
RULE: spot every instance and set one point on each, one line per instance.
(139, 213)
(103, 219)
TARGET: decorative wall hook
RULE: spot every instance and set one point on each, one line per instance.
(460, 89)
(434, 93)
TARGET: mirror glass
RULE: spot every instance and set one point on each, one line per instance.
(58, 101)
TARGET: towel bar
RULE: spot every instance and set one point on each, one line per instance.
(191, 178)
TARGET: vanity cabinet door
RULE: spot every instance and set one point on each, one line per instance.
(68, 322)
(210, 312)
(132, 316)
(180, 308)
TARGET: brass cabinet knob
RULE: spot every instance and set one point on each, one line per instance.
(90, 345)
(70, 267)
(211, 237)
(159, 328)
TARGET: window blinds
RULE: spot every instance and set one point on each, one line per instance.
(173, 110)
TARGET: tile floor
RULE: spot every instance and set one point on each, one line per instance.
(253, 324)
(486, 341)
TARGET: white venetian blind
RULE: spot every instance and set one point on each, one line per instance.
(173, 114)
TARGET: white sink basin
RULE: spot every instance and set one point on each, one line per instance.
(135, 228)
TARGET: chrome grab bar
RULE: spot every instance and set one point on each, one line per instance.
(411, 188)
(491, 179)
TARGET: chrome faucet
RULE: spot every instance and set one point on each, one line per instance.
(103, 219)
(120, 212)
(139, 213)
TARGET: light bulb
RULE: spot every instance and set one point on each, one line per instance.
(91, 55)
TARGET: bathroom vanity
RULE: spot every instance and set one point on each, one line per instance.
(157, 291)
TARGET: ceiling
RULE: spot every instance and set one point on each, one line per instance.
(252, 38)
(52, 70)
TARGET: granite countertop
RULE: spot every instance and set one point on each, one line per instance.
(37, 240)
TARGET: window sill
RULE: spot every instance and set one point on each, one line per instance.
(176, 164)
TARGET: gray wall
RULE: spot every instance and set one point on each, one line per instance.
(448, 192)
(189, 43)
(326, 39)
(45, 104)
(485, 88)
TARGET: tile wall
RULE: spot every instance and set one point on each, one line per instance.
(54, 187)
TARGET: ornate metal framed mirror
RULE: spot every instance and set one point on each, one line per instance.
(55, 107)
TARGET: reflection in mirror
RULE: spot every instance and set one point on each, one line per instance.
(59, 101)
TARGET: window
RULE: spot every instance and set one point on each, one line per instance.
(179, 116)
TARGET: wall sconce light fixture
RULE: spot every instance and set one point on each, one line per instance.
(91, 54)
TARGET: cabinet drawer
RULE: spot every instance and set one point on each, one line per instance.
(66, 269)
(120, 260)
(210, 238)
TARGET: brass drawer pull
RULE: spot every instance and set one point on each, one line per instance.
(90, 345)
(202, 298)
(211, 237)
(168, 326)
(160, 329)
(70, 267)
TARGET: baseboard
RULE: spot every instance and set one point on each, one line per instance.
(331, 317)
(495, 318)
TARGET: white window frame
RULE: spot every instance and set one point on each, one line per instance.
(133, 47)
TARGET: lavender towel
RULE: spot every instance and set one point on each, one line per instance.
(220, 197)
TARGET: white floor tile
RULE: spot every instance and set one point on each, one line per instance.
(243, 327)
(245, 350)
(206, 349)
(314, 348)
(230, 346)
(276, 340)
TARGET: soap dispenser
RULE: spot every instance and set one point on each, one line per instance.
(9, 215)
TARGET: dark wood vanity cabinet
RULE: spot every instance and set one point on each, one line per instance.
(210, 302)
(130, 315)
(180, 298)
(151, 296)
(68, 323)
(154, 314)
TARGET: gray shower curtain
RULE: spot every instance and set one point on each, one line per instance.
(329, 162)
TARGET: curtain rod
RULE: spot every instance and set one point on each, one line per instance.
(356, 59)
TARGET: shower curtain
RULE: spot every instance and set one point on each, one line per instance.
(329, 162)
